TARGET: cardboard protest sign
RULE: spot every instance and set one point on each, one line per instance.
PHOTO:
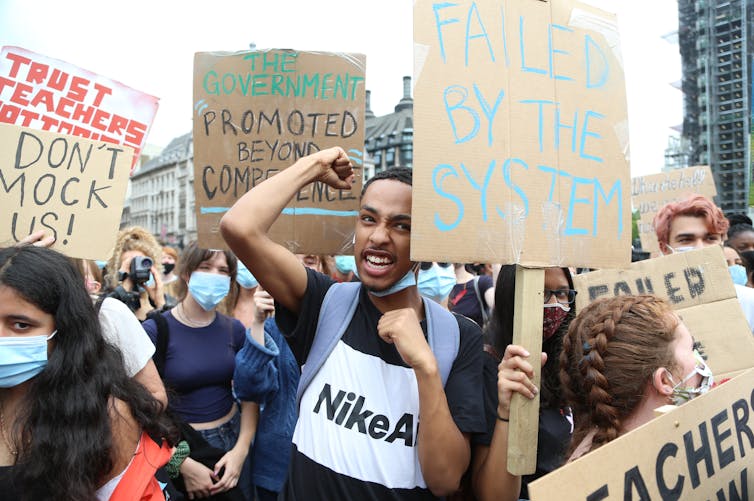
(256, 113)
(71, 187)
(701, 450)
(520, 135)
(699, 287)
(48, 94)
(650, 193)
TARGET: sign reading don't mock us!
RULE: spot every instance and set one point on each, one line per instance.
(520, 134)
(255, 114)
(70, 187)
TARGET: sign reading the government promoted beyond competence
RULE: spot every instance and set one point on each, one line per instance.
(256, 113)
(520, 135)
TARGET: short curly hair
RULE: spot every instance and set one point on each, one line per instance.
(129, 239)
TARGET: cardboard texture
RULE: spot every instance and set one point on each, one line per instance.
(700, 450)
(699, 287)
(256, 113)
(650, 193)
(43, 93)
(523, 432)
(71, 187)
(520, 136)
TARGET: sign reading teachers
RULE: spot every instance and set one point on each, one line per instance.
(520, 135)
(47, 94)
(256, 113)
(700, 450)
(699, 287)
(70, 187)
(650, 193)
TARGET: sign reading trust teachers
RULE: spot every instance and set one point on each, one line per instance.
(520, 134)
(47, 94)
(255, 114)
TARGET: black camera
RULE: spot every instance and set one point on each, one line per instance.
(129, 298)
(139, 269)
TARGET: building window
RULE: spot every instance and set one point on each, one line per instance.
(390, 157)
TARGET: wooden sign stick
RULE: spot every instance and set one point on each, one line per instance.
(527, 332)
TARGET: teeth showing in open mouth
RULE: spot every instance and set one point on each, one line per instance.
(378, 261)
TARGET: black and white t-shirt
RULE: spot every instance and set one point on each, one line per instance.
(358, 423)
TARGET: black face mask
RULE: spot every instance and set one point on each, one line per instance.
(167, 268)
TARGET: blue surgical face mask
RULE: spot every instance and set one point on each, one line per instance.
(738, 274)
(22, 358)
(344, 264)
(150, 281)
(436, 282)
(408, 280)
(208, 289)
(244, 277)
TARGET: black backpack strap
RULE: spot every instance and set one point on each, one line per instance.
(161, 345)
(482, 302)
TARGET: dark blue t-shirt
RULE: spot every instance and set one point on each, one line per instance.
(199, 365)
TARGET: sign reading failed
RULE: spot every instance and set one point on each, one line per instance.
(72, 188)
(699, 287)
(257, 113)
(520, 135)
(47, 94)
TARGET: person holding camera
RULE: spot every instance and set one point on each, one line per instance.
(133, 276)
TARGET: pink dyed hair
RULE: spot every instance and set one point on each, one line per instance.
(695, 206)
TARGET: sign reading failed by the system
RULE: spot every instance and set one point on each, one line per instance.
(520, 135)
(70, 187)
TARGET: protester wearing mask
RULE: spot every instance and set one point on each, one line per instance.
(169, 278)
(435, 281)
(239, 303)
(735, 265)
(491, 479)
(199, 361)
(694, 223)
(623, 357)
(74, 426)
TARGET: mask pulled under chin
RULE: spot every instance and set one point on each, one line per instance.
(682, 394)
(408, 280)
(552, 319)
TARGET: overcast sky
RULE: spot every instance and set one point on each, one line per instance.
(149, 45)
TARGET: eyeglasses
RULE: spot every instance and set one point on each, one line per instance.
(562, 296)
(425, 265)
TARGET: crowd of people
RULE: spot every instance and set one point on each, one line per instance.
(256, 373)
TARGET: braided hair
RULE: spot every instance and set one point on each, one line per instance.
(610, 352)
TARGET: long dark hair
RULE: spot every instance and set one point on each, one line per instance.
(499, 333)
(66, 445)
